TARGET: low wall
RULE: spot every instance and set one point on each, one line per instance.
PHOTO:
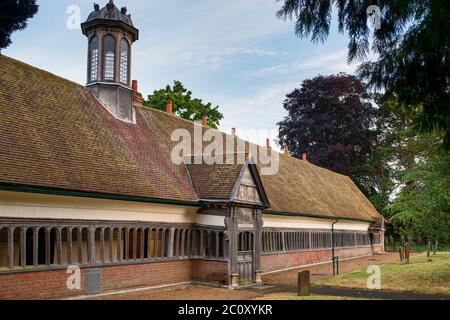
(53, 284)
(297, 259)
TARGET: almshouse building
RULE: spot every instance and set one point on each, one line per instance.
(87, 179)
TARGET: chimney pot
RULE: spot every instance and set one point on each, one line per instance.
(205, 120)
(268, 143)
(169, 106)
(305, 157)
(233, 132)
(134, 85)
(138, 99)
(286, 151)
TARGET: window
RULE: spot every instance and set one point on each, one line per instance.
(109, 48)
(93, 59)
(124, 53)
(248, 193)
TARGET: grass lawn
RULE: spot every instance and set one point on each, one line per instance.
(293, 296)
(420, 276)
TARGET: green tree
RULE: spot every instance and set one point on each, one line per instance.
(393, 152)
(421, 210)
(13, 17)
(412, 46)
(184, 105)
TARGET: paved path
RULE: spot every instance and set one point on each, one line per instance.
(373, 294)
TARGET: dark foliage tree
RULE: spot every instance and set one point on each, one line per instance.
(184, 105)
(13, 17)
(413, 63)
(333, 121)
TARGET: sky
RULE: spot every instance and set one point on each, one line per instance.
(233, 53)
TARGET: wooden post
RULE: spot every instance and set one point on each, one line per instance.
(80, 245)
(47, 246)
(155, 243)
(163, 243)
(69, 246)
(142, 241)
(402, 255)
(23, 247)
(91, 246)
(127, 244)
(119, 246)
(304, 278)
(407, 252)
(102, 245)
(11, 248)
(429, 251)
(134, 243)
(35, 247)
(111, 241)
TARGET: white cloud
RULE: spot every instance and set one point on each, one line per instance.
(326, 62)
(261, 111)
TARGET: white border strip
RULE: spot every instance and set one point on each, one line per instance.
(114, 293)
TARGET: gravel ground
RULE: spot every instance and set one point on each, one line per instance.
(282, 279)
(188, 293)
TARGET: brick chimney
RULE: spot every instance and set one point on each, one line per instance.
(305, 157)
(205, 120)
(268, 143)
(169, 106)
(286, 151)
(138, 100)
(233, 132)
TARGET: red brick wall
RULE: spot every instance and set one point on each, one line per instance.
(204, 270)
(291, 260)
(52, 284)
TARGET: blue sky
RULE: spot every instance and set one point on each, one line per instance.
(233, 53)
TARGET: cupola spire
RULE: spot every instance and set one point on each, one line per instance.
(111, 34)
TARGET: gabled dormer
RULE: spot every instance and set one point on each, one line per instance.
(227, 184)
(249, 188)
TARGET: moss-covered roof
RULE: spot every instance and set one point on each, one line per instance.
(54, 134)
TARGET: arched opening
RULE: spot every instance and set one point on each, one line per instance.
(158, 243)
(117, 245)
(213, 244)
(99, 250)
(206, 244)
(53, 246)
(93, 59)
(76, 247)
(109, 57)
(124, 60)
(154, 239)
(221, 252)
(147, 243)
(166, 242)
(187, 243)
(108, 245)
(85, 246)
(140, 244)
(65, 246)
(29, 246)
(245, 241)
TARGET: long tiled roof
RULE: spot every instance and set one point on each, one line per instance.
(54, 134)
